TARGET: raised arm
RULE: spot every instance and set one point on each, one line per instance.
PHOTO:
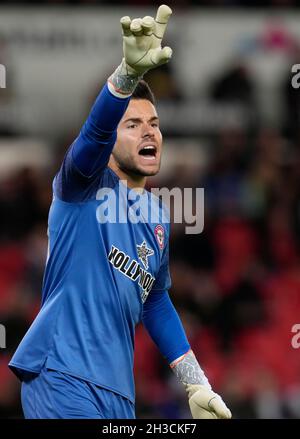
(90, 152)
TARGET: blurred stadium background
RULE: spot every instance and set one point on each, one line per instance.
(230, 118)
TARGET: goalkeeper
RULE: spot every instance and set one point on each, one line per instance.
(102, 278)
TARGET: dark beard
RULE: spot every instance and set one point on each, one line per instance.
(132, 170)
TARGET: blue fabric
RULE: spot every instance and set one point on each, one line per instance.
(90, 304)
(164, 326)
(93, 146)
(56, 395)
(96, 282)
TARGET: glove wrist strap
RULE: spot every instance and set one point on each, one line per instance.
(188, 370)
(123, 81)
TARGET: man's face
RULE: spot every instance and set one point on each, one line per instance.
(139, 140)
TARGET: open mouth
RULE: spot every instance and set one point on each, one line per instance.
(148, 151)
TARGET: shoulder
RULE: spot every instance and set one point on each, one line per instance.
(109, 178)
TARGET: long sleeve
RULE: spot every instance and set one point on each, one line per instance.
(89, 153)
(164, 325)
(97, 137)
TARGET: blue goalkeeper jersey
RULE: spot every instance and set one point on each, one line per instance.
(99, 273)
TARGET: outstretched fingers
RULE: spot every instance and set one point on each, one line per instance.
(125, 23)
(161, 20)
(147, 25)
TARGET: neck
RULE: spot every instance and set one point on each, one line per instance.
(134, 181)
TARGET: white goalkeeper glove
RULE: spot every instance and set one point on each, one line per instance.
(206, 404)
(142, 41)
(142, 50)
(203, 402)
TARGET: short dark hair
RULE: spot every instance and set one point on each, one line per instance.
(143, 91)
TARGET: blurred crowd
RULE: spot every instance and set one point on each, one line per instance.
(236, 286)
(178, 3)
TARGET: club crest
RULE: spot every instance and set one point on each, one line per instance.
(160, 235)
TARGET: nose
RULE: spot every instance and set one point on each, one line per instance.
(148, 130)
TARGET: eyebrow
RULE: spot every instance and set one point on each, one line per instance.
(138, 119)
